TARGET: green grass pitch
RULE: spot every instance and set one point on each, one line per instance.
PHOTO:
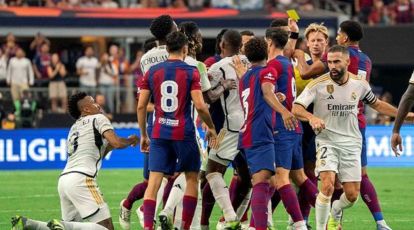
(34, 194)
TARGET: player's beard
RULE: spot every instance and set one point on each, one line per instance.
(336, 74)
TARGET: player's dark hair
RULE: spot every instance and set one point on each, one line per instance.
(279, 22)
(218, 40)
(190, 30)
(339, 48)
(73, 107)
(256, 49)
(233, 39)
(176, 41)
(278, 36)
(352, 29)
(149, 44)
(161, 26)
(246, 33)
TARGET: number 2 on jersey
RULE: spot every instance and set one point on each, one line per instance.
(169, 100)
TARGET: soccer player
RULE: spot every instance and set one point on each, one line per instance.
(406, 103)
(173, 84)
(246, 36)
(257, 90)
(226, 151)
(89, 140)
(288, 149)
(160, 27)
(336, 96)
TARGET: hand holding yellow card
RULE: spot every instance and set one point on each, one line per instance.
(293, 14)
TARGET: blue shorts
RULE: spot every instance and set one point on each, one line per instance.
(364, 160)
(169, 156)
(145, 171)
(288, 151)
(308, 143)
(260, 157)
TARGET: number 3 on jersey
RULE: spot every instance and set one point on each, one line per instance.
(169, 100)
(245, 95)
(73, 143)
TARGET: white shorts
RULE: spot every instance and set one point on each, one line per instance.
(345, 161)
(227, 149)
(80, 199)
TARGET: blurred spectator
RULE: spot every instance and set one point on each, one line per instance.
(88, 3)
(16, 3)
(9, 122)
(3, 68)
(26, 110)
(107, 81)
(10, 47)
(108, 4)
(40, 64)
(101, 101)
(57, 86)
(149, 3)
(37, 43)
(222, 4)
(305, 5)
(363, 9)
(195, 5)
(2, 111)
(135, 67)
(402, 11)
(19, 74)
(379, 14)
(87, 68)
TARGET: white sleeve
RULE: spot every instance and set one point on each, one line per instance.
(412, 78)
(103, 124)
(367, 96)
(306, 97)
(79, 63)
(215, 75)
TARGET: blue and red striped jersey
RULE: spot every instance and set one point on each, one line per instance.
(171, 83)
(257, 128)
(286, 85)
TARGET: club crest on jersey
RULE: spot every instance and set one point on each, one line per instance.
(353, 96)
(330, 89)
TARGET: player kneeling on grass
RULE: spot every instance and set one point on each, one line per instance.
(336, 96)
(89, 140)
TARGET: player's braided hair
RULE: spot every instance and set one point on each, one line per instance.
(161, 26)
(73, 104)
(352, 29)
(190, 30)
(256, 49)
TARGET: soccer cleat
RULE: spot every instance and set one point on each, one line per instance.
(245, 225)
(55, 225)
(383, 227)
(220, 224)
(124, 216)
(140, 215)
(334, 224)
(232, 225)
(165, 221)
(18, 222)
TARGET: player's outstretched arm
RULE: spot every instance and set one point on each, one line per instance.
(202, 110)
(142, 118)
(308, 71)
(272, 100)
(213, 94)
(117, 142)
(302, 114)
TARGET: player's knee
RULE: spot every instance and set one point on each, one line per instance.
(352, 196)
(327, 187)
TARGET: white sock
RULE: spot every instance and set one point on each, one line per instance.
(339, 205)
(322, 208)
(36, 225)
(221, 194)
(269, 214)
(243, 206)
(300, 225)
(176, 194)
(178, 218)
(82, 226)
(382, 222)
(160, 194)
(195, 224)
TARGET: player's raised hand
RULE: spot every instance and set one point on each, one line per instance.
(145, 144)
(293, 25)
(134, 138)
(238, 66)
(317, 124)
(281, 97)
(396, 144)
(289, 121)
(229, 84)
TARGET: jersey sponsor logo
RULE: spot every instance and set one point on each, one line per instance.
(169, 122)
(269, 76)
(340, 110)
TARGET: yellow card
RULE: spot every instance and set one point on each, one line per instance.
(293, 14)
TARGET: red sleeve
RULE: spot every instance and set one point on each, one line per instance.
(324, 58)
(275, 65)
(209, 61)
(268, 75)
(195, 82)
(144, 84)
